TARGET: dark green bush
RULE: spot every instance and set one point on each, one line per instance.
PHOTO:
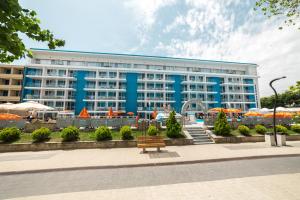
(281, 129)
(295, 128)
(260, 129)
(221, 126)
(244, 130)
(173, 127)
(152, 130)
(126, 133)
(103, 133)
(10, 134)
(70, 133)
(41, 134)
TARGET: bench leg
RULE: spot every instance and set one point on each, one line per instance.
(144, 150)
(158, 149)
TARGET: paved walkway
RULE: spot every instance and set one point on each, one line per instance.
(47, 160)
(284, 186)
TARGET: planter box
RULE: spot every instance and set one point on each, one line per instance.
(83, 145)
(270, 139)
(281, 139)
(235, 139)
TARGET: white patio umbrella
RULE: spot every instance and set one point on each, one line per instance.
(281, 109)
(31, 106)
(264, 110)
(6, 106)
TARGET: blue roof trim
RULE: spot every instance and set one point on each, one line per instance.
(136, 55)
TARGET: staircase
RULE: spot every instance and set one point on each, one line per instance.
(199, 135)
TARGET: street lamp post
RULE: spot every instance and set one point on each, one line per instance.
(275, 105)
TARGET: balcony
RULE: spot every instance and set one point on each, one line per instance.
(33, 85)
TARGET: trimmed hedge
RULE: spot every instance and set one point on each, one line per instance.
(261, 129)
(126, 133)
(296, 128)
(152, 130)
(70, 133)
(282, 129)
(244, 130)
(10, 134)
(41, 134)
(103, 133)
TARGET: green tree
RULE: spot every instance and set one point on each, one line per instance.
(289, 9)
(221, 126)
(15, 20)
(173, 127)
(289, 98)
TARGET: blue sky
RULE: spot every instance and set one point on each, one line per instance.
(217, 29)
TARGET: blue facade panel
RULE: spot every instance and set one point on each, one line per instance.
(217, 88)
(80, 93)
(131, 92)
(177, 94)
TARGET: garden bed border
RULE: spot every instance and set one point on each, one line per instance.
(244, 139)
(45, 146)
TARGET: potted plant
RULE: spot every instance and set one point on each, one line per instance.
(281, 135)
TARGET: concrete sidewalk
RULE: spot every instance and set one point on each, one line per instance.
(25, 162)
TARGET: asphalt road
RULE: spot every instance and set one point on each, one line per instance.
(100, 179)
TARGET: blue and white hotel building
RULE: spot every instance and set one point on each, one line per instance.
(71, 80)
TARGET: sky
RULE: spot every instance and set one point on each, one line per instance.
(228, 30)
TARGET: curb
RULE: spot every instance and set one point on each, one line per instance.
(146, 164)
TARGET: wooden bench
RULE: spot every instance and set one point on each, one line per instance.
(150, 142)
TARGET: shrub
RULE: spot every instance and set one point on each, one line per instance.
(244, 130)
(152, 130)
(221, 126)
(260, 129)
(173, 127)
(281, 129)
(70, 133)
(126, 133)
(41, 134)
(103, 133)
(10, 134)
(296, 128)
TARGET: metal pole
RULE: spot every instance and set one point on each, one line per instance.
(275, 105)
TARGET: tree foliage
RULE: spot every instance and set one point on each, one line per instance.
(173, 126)
(221, 126)
(289, 98)
(14, 21)
(289, 9)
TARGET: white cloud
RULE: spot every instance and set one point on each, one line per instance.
(145, 12)
(276, 51)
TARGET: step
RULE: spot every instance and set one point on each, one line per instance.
(200, 143)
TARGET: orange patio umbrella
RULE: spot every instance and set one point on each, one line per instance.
(7, 116)
(84, 114)
(154, 114)
(110, 112)
(279, 115)
(253, 114)
(130, 113)
(216, 110)
(233, 110)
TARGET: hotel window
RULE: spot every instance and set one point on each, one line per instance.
(60, 93)
(111, 104)
(102, 94)
(59, 104)
(102, 104)
(102, 74)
